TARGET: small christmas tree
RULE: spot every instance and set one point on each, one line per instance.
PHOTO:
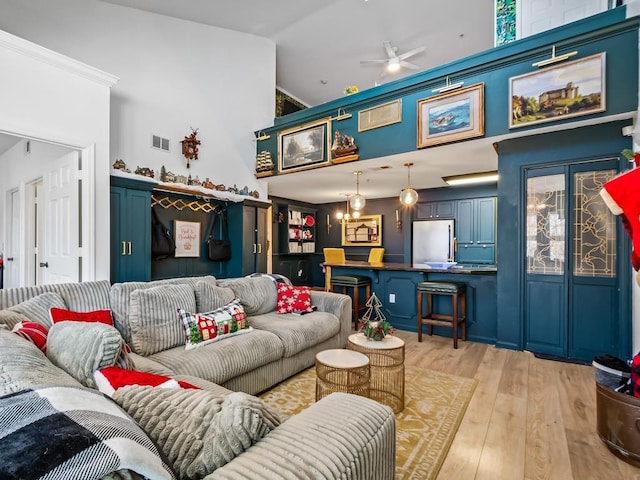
(374, 324)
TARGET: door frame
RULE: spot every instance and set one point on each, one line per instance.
(87, 176)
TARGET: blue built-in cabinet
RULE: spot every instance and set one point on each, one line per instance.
(476, 230)
(130, 231)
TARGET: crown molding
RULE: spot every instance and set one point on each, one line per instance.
(49, 57)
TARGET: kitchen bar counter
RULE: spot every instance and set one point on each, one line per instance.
(416, 267)
(395, 285)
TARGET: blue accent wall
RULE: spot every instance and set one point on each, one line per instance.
(607, 32)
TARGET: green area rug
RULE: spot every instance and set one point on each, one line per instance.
(434, 406)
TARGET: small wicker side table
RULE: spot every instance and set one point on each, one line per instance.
(341, 370)
(387, 368)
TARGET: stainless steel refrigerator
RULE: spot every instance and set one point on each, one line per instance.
(432, 241)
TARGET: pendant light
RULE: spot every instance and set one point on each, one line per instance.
(408, 196)
(357, 201)
(345, 217)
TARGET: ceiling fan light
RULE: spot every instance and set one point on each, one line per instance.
(357, 202)
(393, 65)
(408, 197)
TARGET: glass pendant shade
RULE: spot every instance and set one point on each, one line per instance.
(357, 202)
(408, 197)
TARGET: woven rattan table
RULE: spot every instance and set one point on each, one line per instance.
(386, 359)
(341, 370)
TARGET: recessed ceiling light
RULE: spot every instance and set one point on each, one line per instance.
(324, 82)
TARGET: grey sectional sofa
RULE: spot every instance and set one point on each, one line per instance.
(342, 436)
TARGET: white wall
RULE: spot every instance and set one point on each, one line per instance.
(173, 75)
(46, 95)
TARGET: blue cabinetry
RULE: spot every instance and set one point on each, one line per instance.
(254, 239)
(427, 210)
(130, 234)
(476, 230)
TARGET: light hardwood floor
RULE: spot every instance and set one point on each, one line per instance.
(528, 418)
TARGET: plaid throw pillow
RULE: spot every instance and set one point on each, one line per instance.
(204, 328)
(293, 299)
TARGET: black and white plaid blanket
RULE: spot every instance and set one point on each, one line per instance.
(72, 433)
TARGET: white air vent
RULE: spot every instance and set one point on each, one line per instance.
(160, 143)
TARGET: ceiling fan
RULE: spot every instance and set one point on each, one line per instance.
(395, 62)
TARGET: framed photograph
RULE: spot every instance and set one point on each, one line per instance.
(365, 231)
(451, 116)
(304, 147)
(566, 90)
(380, 116)
(187, 238)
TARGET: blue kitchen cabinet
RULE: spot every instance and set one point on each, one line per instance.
(428, 210)
(476, 230)
(130, 234)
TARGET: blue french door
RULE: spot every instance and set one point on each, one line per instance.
(571, 272)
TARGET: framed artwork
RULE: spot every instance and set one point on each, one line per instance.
(380, 116)
(364, 231)
(451, 116)
(187, 238)
(569, 89)
(304, 147)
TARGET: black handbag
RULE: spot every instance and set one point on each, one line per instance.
(162, 244)
(219, 250)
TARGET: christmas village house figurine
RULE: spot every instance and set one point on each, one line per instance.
(190, 146)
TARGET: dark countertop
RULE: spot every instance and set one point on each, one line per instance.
(468, 269)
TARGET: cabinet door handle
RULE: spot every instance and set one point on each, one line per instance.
(254, 248)
(259, 248)
(129, 243)
(124, 248)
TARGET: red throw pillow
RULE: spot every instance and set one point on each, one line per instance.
(61, 315)
(109, 379)
(34, 332)
(293, 299)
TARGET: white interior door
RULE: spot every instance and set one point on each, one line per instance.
(59, 256)
(12, 261)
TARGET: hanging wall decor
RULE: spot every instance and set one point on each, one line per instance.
(190, 146)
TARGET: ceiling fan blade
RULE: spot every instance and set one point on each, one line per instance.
(409, 65)
(370, 62)
(411, 53)
(389, 49)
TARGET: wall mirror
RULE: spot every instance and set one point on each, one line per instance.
(364, 231)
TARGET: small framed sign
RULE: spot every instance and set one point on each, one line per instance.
(187, 238)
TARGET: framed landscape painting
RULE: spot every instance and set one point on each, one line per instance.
(566, 90)
(452, 116)
(304, 146)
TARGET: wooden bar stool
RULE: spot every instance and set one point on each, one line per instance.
(344, 282)
(458, 317)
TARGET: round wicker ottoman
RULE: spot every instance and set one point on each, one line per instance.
(386, 359)
(341, 370)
